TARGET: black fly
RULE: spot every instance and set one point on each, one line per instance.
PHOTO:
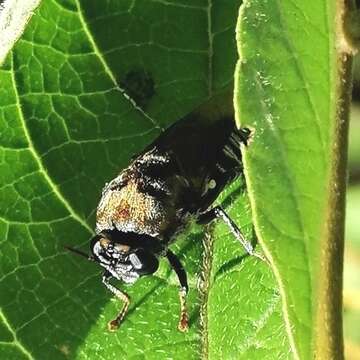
(175, 179)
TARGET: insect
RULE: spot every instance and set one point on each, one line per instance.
(176, 179)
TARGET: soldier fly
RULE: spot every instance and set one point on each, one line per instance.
(176, 179)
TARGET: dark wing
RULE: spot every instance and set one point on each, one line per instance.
(205, 154)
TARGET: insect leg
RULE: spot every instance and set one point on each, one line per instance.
(181, 274)
(218, 213)
(114, 324)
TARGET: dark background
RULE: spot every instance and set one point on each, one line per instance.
(352, 235)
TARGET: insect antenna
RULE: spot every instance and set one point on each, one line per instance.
(79, 252)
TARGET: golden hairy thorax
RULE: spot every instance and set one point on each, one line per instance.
(128, 209)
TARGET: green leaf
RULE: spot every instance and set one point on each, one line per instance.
(88, 85)
(288, 89)
(244, 318)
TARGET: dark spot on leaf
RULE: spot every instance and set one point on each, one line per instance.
(139, 85)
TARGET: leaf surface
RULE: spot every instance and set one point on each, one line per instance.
(88, 85)
(286, 86)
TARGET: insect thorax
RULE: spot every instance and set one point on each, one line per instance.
(129, 209)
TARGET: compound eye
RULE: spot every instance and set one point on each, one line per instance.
(144, 262)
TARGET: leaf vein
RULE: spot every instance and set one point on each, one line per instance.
(108, 70)
(38, 158)
(16, 341)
